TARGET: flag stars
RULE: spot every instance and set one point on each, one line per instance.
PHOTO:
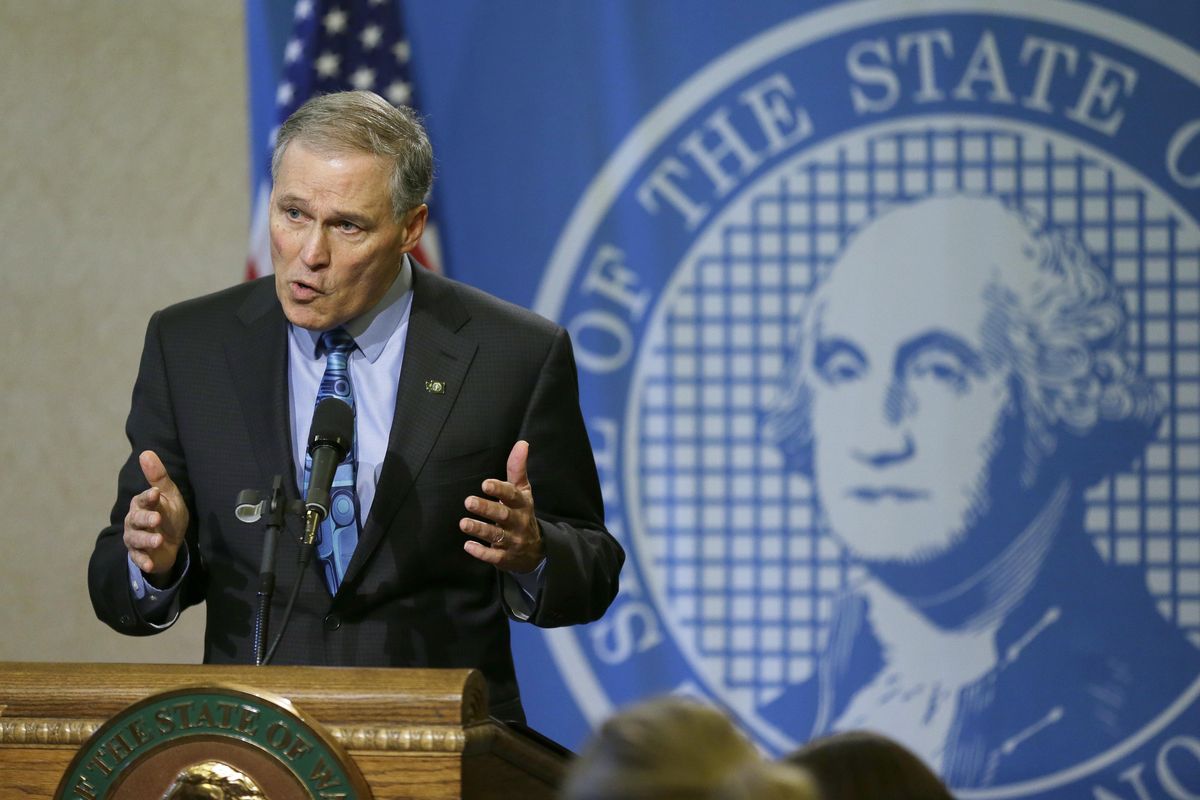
(402, 51)
(335, 21)
(304, 9)
(371, 36)
(399, 93)
(377, 2)
(328, 64)
(293, 51)
(285, 93)
(363, 78)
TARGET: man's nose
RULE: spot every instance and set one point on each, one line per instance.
(899, 403)
(315, 250)
(895, 449)
(887, 438)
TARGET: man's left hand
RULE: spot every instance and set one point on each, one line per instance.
(511, 531)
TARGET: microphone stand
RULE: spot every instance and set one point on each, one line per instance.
(250, 508)
(331, 438)
(266, 570)
(312, 522)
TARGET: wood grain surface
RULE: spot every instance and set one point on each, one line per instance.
(419, 733)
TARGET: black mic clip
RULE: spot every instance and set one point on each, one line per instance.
(251, 505)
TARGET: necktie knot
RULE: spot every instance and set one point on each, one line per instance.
(337, 341)
(337, 345)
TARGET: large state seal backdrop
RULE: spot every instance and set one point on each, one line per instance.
(736, 563)
(676, 186)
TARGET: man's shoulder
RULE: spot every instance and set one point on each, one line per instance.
(451, 297)
(246, 301)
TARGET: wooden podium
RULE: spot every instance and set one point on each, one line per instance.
(415, 733)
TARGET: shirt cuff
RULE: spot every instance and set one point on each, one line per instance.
(527, 585)
(158, 608)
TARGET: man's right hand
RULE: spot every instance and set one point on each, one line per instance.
(156, 522)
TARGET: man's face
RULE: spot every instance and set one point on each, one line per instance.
(335, 244)
(907, 406)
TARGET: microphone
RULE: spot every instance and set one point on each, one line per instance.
(330, 438)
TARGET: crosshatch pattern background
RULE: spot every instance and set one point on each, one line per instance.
(745, 572)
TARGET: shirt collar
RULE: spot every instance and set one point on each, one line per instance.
(373, 329)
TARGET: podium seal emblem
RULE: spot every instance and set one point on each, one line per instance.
(211, 741)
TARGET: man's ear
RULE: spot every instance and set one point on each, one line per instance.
(414, 225)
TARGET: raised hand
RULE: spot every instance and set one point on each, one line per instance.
(156, 522)
(514, 541)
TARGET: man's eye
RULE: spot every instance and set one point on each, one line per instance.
(348, 227)
(944, 369)
(293, 213)
(840, 368)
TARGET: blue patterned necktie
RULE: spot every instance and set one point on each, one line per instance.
(339, 531)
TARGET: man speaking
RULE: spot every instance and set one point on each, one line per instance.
(469, 493)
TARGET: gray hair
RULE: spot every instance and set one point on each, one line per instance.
(1065, 345)
(364, 122)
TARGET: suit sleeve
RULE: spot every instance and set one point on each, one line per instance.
(583, 560)
(150, 426)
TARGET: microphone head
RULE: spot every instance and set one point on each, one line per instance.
(332, 426)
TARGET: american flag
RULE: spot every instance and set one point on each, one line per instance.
(337, 45)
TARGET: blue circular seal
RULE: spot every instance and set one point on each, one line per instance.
(893, 381)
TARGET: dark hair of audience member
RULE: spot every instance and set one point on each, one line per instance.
(672, 748)
(861, 765)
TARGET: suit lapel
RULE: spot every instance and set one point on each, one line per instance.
(433, 351)
(257, 357)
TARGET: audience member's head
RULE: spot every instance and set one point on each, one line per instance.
(672, 748)
(860, 765)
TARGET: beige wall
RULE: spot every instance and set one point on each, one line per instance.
(122, 189)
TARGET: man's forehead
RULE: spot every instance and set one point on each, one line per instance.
(929, 263)
(352, 178)
(301, 158)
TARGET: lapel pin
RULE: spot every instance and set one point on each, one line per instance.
(435, 387)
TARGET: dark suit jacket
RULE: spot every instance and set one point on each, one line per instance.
(211, 399)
